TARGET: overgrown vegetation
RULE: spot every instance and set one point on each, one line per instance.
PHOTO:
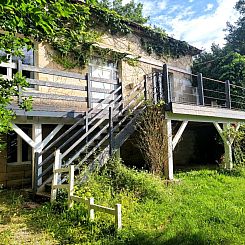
(71, 28)
(205, 207)
(151, 139)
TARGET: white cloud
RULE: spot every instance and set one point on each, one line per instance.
(209, 7)
(151, 7)
(200, 31)
(162, 5)
(190, 1)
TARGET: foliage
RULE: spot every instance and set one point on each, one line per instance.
(236, 37)
(202, 209)
(151, 138)
(132, 11)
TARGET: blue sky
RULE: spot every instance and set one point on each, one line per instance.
(199, 22)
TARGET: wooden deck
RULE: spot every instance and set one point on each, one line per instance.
(197, 113)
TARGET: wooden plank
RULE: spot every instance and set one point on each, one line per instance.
(23, 135)
(217, 114)
(53, 72)
(103, 209)
(79, 199)
(55, 96)
(61, 186)
(11, 65)
(61, 170)
(51, 135)
(56, 84)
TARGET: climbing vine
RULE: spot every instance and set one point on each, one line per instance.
(71, 28)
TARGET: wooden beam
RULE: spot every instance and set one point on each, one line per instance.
(23, 135)
(51, 135)
(179, 133)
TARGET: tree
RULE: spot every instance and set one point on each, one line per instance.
(236, 37)
(227, 63)
(132, 11)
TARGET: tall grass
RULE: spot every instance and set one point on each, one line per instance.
(204, 207)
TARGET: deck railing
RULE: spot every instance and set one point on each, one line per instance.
(57, 90)
(175, 85)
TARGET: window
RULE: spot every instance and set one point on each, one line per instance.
(8, 71)
(18, 151)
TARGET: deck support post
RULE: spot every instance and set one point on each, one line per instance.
(37, 138)
(228, 141)
(168, 166)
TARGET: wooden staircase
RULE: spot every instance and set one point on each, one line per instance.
(93, 138)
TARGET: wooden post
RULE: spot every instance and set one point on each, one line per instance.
(168, 168)
(71, 186)
(228, 94)
(145, 87)
(37, 138)
(57, 165)
(227, 144)
(110, 131)
(166, 86)
(200, 89)
(91, 209)
(228, 149)
(118, 216)
(89, 92)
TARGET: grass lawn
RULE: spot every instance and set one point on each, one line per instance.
(205, 207)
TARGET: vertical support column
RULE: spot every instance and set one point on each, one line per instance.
(37, 158)
(228, 149)
(89, 92)
(168, 168)
(166, 86)
(71, 186)
(110, 131)
(200, 89)
(118, 216)
(145, 87)
(228, 94)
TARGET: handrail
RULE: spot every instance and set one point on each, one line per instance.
(79, 122)
(91, 129)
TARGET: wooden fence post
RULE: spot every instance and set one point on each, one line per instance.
(90, 208)
(57, 165)
(118, 216)
(200, 89)
(71, 186)
(228, 94)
